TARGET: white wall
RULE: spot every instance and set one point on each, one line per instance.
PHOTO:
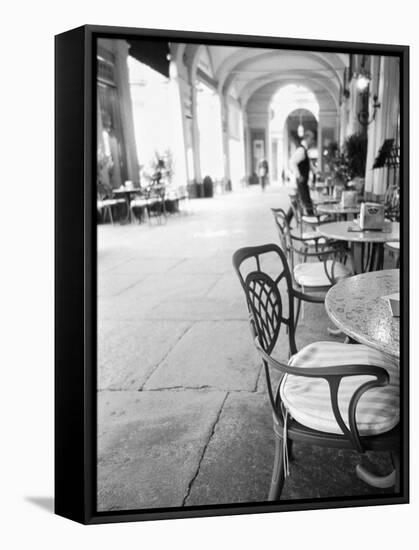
(27, 274)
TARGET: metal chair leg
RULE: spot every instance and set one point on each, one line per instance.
(290, 446)
(395, 458)
(297, 314)
(277, 482)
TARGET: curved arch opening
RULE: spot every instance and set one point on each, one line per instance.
(293, 109)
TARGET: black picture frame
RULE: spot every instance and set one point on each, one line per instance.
(75, 272)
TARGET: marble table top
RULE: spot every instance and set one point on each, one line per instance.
(356, 306)
(126, 190)
(339, 231)
(337, 209)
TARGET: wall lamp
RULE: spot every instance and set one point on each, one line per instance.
(363, 84)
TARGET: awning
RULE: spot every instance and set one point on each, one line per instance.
(154, 53)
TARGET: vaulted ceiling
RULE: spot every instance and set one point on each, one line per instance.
(246, 73)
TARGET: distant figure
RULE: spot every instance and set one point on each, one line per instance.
(263, 169)
(301, 166)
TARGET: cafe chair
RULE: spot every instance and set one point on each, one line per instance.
(138, 206)
(316, 263)
(329, 394)
(304, 220)
(155, 203)
(394, 248)
(105, 202)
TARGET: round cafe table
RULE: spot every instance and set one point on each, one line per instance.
(340, 231)
(338, 210)
(356, 306)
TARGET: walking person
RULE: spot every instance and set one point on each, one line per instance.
(263, 169)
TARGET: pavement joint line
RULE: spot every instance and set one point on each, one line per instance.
(130, 286)
(152, 371)
(115, 266)
(180, 262)
(190, 484)
(220, 276)
(188, 388)
(197, 320)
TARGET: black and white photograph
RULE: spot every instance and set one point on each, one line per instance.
(209, 263)
(249, 264)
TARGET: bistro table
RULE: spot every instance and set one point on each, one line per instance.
(357, 307)
(374, 239)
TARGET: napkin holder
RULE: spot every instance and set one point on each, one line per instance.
(394, 303)
(371, 216)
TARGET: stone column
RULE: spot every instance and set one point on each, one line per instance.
(120, 50)
(248, 147)
(178, 142)
(386, 84)
(195, 135)
(320, 142)
(225, 136)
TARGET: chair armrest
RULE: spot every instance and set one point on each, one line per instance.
(306, 239)
(331, 371)
(333, 375)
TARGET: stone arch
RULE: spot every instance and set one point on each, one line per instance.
(270, 85)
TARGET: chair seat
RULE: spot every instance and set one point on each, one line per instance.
(393, 246)
(310, 235)
(313, 238)
(314, 219)
(308, 399)
(109, 202)
(313, 274)
(138, 202)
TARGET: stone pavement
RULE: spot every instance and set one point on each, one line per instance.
(183, 415)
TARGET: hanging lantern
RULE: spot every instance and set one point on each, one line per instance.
(300, 129)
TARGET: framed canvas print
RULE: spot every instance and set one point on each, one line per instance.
(232, 288)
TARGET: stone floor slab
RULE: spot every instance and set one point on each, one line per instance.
(173, 314)
(114, 283)
(211, 354)
(237, 464)
(128, 354)
(200, 310)
(150, 445)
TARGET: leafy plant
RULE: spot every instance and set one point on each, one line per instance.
(335, 163)
(355, 153)
(349, 162)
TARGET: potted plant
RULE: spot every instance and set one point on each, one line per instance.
(355, 153)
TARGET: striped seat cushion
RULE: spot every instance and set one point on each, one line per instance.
(138, 202)
(308, 399)
(313, 274)
(109, 202)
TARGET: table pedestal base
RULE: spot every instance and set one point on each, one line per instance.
(380, 482)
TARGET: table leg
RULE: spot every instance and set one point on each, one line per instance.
(351, 256)
(380, 256)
